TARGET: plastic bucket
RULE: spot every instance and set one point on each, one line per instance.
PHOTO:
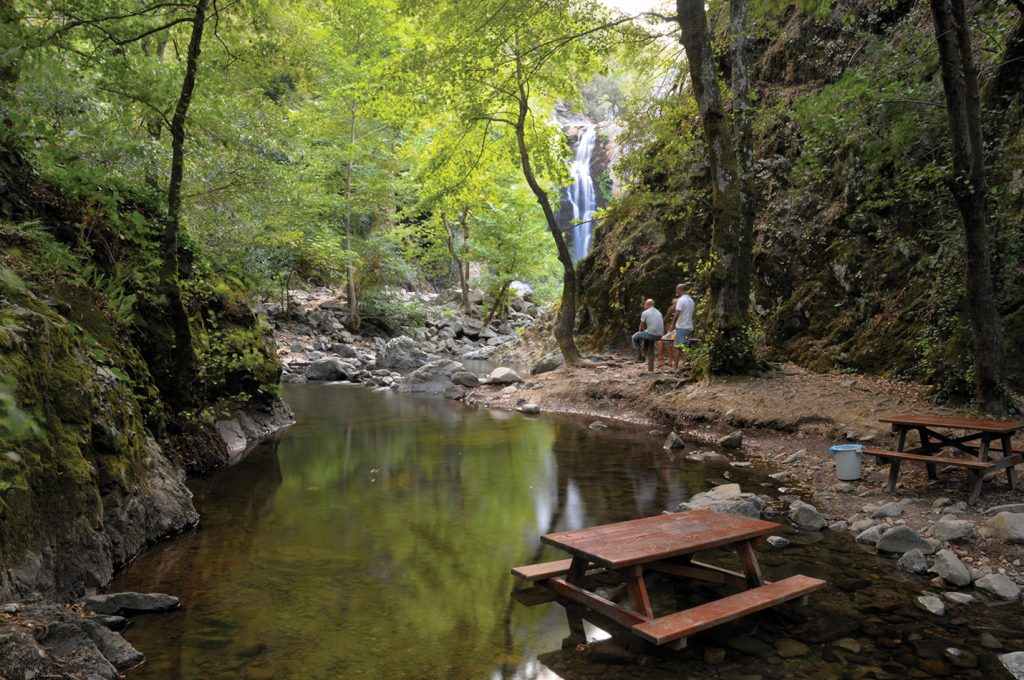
(847, 458)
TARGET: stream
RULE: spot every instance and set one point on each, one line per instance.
(373, 540)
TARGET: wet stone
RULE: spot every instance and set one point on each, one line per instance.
(913, 561)
(989, 641)
(131, 603)
(931, 604)
(960, 658)
(948, 566)
(849, 645)
(901, 539)
(806, 516)
(778, 542)
(1014, 663)
(958, 598)
(998, 585)
(871, 536)
(751, 646)
(862, 525)
(789, 649)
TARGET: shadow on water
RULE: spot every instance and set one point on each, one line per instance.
(374, 540)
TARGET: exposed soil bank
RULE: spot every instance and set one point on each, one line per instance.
(789, 417)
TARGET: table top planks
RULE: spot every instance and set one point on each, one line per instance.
(639, 541)
(956, 423)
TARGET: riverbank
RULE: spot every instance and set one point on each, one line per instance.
(786, 419)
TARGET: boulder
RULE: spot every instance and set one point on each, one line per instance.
(900, 539)
(548, 363)
(433, 377)
(330, 368)
(401, 354)
(503, 376)
(733, 440)
(344, 350)
(465, 378)
(951, 529)
(950, 568)
(1008, 526)
(998, 585)
(727, 498)
(129, 603)
(806, 516)
(913, 561)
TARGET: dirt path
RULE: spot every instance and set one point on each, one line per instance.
(789, 418)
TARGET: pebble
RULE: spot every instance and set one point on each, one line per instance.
(957, 597)
(849, 644)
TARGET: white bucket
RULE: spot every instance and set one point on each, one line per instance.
(847, 458)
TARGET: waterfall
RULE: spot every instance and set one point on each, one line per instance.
(581, 194)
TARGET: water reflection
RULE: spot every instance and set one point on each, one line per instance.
(374, 539)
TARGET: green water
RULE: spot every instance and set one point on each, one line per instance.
(373, 541)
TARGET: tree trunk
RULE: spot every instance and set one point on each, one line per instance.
(462, 268)
(350, 284)
(729, 344)
(960, 83)
(743, 116)
(565, 325)
(183, 356)
(497, 302)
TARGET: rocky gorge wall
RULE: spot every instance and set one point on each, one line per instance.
(93, 460)
(859, 248)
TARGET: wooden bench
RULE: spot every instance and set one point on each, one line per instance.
(675, 627)
(542, 570)
(976, 468)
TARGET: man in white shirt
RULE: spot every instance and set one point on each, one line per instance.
(682, 313)
(652, 326)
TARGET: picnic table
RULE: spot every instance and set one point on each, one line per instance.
(665, 544)
(982, 438)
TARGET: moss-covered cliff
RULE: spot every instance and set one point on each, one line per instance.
(859, 248)
(92, 461)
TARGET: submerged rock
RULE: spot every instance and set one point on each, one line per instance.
(673, 441)
(778, 542)
(129, 603)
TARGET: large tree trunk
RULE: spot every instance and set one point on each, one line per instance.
(183, 356)
(730, 349)
(960, 82)
(350, 280)
(565, 325)
(743, 117)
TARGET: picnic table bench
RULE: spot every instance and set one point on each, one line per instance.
(992, 436)
(665, 544)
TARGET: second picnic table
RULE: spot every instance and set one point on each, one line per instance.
(666, 544)
(990, 436)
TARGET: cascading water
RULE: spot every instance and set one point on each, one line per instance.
(581, 194)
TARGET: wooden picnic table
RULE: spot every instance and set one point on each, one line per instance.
(665, 544)
(983, 437)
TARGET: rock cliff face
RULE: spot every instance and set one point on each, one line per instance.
(92, 461)
(859, 248)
